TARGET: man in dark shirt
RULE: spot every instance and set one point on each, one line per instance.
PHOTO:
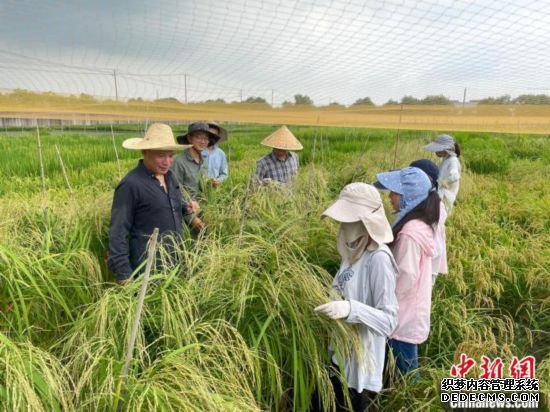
(148, 196)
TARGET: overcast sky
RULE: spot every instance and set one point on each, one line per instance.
(337, 50)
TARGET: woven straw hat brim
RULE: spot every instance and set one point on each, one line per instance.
(137, 143)
(282, 139)
(158, 136)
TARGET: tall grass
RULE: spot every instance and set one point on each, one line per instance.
(231, 325)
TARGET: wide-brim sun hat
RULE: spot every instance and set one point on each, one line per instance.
(361, 202)
(222, 132)
(213, 138)
(282, 139)
(158, 136)
(412, 183)
(390, 181)
(442, 143)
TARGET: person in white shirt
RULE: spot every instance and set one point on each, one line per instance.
(439, 261)
(366, 283)
(445, 148)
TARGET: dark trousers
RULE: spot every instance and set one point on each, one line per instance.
(360, 402)
(406, 356)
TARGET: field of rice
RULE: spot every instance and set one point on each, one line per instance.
(231, 326)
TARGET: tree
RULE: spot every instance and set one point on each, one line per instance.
(215, 101)
(496, 100)
(365, 101)
(409, 100)
(167, 100)
(303, 99)
(256, 100)
(532, 99)
(390, 102)
(286, 103)
(336, 105)
(436, 100)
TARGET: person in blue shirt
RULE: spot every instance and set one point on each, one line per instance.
(218, 170)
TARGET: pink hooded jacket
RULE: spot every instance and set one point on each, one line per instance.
(413, 250)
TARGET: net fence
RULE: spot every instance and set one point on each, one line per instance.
(273, 61)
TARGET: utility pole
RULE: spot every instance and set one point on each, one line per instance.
(116, 86)
(464, 98)
(185, 84)
(241, 94)
(272, 93)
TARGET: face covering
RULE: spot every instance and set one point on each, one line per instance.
(352, 241)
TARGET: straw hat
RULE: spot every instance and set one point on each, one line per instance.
(283, 139)
(362, 202)
(158, 136)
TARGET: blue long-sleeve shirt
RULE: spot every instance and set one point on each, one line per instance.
(139, 205)
(217, 163)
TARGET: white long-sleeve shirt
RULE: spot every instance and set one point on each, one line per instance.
(369, 285)
(449, 180)
(439, 261)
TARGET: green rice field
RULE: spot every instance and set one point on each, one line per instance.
(231, 326)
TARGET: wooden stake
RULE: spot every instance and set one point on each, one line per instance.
(116, 154)
(43, 176)
(63, 170)
(151, 256)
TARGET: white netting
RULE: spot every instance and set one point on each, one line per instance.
(332, 51)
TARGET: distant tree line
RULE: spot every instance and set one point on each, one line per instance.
(521, 99)
(300, 100)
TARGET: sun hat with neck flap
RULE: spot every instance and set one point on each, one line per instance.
(361, 202)
(411, 183)
(282, 139)
(159, 136)
(442, 143)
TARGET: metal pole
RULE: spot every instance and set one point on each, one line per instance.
(185, 84)
(116, 85)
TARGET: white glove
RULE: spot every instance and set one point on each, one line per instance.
(337, 309)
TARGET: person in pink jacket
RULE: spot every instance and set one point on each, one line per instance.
(439, 264)
(417, 205)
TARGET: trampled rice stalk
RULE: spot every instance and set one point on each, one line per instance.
(63, 170)
(116, 154)
(139, 308)
(44, 194)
